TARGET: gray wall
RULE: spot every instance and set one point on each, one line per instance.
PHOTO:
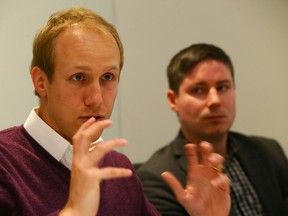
(254, 33)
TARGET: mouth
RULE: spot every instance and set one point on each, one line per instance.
(215, 117)
(98, 117)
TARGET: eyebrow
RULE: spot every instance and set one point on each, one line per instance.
(218, 82)
(83, 67)
(225, 81)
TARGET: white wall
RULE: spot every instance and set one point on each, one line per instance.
(254, 34)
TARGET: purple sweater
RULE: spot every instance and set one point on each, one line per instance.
(32, 182)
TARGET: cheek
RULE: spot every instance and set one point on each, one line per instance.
(189, 107)
(66, 102)
(230, 103)
(109, 97)
(233, 109)
(60, 90)
(65, 97)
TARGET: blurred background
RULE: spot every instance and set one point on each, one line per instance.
(253, 33)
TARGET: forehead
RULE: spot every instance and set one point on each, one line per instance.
(81, 33)
(210, 70)
(84, 42)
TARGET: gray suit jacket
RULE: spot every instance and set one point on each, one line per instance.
(262, 159)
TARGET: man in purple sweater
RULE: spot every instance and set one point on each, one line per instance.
(56, 163)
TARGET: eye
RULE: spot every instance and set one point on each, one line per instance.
(198, 90)
(223, 88)
(107, 77)
(78, 77)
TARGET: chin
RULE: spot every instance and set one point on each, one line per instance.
(219, 132)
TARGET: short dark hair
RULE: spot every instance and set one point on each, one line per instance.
(186, 59)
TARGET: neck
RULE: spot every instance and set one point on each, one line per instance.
(219, 142)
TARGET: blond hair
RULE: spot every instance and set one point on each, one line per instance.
(44, 41)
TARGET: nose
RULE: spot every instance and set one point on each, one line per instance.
(213, 99)
(93, 95)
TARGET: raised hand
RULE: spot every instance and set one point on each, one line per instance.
(207, 188)
(84, 194)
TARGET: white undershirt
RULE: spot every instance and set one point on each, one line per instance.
(50, 140)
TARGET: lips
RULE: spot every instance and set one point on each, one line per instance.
(97, 117)
(214, 117)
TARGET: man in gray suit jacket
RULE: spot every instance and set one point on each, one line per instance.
(202, 94)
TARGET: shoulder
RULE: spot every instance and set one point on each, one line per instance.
(16, 138)
(264, 147)
(158, 160)
(168, 157)
(168, 153)
(9, 132)
(10, 137)
(13, 134)
(259, 142)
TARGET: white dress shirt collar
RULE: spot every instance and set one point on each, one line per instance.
(50, 140)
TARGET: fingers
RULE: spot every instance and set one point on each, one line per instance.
(87, 133)
(111, 173)
(222, 183)
(210, 158)
(202, 154)
(85, 156)
(86, 175)
(205, 150)
(216, 161)
(102, 148)
(173, 183)
(192, 157)
(204, 184)
(211, 161)
(191, 153)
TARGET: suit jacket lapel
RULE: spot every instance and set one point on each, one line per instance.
(179, 152)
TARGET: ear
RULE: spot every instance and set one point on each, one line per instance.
(39, 80)
(172, 100)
